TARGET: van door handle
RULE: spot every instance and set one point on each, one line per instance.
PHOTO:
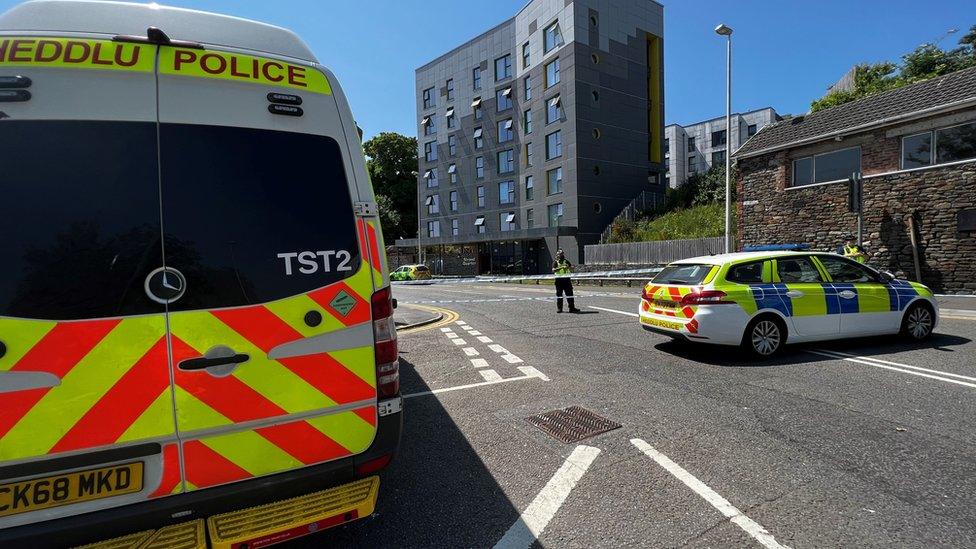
(847, 294)
(794, 294)
(202, 363)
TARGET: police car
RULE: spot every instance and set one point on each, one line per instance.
(195, 312)
(411, 272)
(763, 300)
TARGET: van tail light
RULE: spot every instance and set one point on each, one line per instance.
(706, 297)
(374, 465)
(385, 344)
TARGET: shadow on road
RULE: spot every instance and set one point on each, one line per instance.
(436, 493)
(791, 355)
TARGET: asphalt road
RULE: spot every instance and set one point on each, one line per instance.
(865, 443)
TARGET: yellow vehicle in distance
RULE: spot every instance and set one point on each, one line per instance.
(411, 272)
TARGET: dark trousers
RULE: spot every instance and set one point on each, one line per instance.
(564, 286)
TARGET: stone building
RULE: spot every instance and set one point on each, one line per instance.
(916, 150)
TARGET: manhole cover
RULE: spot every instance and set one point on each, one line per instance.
(572, 424)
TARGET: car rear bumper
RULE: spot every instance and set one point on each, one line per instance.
(717, 324)
(101, 525)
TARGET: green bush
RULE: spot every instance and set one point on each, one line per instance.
(694, 222)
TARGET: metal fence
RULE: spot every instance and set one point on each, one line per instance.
(651, 253)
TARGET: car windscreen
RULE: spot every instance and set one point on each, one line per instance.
(683, 274)
(80, 230)
(252, 216)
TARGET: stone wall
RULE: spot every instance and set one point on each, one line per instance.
(819, 215)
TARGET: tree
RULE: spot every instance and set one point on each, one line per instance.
(925, 62)
(392, 166)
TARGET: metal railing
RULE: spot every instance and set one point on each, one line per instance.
(643, 202)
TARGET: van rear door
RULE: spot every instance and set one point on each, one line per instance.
(85, 395)
(272, 341)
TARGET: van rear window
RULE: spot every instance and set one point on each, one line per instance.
(253, 215)
(79, 231)
(688, 274)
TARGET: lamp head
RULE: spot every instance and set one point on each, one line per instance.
(723, 30)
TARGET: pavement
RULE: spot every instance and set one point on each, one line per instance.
(859, 443)
(407, 316)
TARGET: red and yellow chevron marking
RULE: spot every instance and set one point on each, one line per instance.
(370, 239)
(672, 294)
(115, 387)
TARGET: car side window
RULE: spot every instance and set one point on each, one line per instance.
(845, 271)
(746, 273)
(797, 270)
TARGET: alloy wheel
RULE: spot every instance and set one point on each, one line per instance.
(766, 337)
(920, 323)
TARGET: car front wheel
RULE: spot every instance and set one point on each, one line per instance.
(918, 322)
(764, 337)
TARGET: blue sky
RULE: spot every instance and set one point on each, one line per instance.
(786, 51)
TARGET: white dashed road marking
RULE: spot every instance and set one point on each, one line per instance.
(498, 348)
(473, 385)
(461, 323)
(452, 335)
(484, 339)
(479, 363)
(529, 371)
(459, 341)
(511, 359)
(736, 516)
(490, 375)
(474, 332)
(614, 311)
(471, 351)
(543, 508)
(446, 330)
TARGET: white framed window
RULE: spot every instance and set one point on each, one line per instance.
(479, 167)
(481, 196)
(505, 130)
(451, 119)
(506, 192)
(939, 146)
(554, 110)
(431, 177)
(452, 145)
(454, 201)
(433, 229)
(822, 168)
(433, 203)
(455, 227)
(553, 38)
(452, 173)
(529, 187)
(506, 221)
(479, 140)
(503, 98)
(430, 127)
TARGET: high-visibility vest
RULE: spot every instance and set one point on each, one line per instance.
(852, 252)
(562, 268)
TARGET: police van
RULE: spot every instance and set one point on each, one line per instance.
(196, 333)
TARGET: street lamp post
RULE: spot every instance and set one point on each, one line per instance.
(726, 31)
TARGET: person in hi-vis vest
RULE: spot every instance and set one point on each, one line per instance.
(854, 251)
(562, 268)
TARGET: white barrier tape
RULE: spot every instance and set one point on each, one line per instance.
(483, 279)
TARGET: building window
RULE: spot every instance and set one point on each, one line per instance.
(433, 203)
(554, 145)
(526, 57)
(527, 87)
(667, 147)
(529, 187)
(506, 220)
(951, 144)
(479, 140)
(554, 110)
(433, 229)
(480, 224)
(452, 145)
(553, 38)
(479, 167)
(506, 130)
(718, 158)
(431, 177)
(430, 127)
(554, 181)
(429, 100)
(506, 192)
(529, 218)
(430, 151)
(691, 164)
(451, 119)
(555, 215)
(455, 227)
(454, 201)
(452, 171)
(503, 67)
(506, 161)
(751, 130)
(476, 78)
(552, 73)
(481, 196)
(450, 89)
(476, 107)
(527, 122)
(528, 155)
(719, 138)
(504, 99)
(821, 168)
(691, 144)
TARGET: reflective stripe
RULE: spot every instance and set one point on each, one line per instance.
(20, 336)
(347, 428)
(75, 53)
(241, 68)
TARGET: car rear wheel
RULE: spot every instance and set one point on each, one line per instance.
(918, 322)
(764, 337)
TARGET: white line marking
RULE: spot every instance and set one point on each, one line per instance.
(888, 362)
(452, 335)
(537, 515)
(512, 359)
(447, 330)
(736, 516)
(470, 351)
(613, 311)
(489, 375)
(479, 363)
(484, 339)
(904, 371)
(532, 372)
(461, 323)
(459, 341)
(470, 386)
(498, 349)
(474, 332)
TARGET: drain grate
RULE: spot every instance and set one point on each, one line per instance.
(572, 424)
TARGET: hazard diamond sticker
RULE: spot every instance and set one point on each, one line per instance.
(343, 302)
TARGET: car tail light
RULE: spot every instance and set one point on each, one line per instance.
(645, 295)
(385, 346)
(706, 297)
(374, 465)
